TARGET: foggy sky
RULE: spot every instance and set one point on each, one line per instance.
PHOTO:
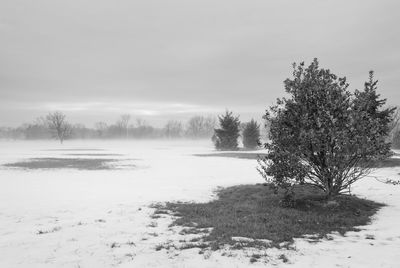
(97, 59)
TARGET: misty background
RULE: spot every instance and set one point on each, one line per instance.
(96, 60)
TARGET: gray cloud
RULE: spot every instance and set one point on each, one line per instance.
(164, 55)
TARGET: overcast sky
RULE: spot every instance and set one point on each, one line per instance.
(97, 59)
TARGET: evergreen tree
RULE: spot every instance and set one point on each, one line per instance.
(225, 138)
(251, 135)
(324, 135)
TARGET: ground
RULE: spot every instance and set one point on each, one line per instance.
(67, 217)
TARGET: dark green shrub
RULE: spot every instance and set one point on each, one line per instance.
(225, 138)
(322, 134)
(251, 135)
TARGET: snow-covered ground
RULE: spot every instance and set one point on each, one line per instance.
(102, 218)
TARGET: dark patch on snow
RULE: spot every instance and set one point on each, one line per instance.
(71, 163)
(74, 149)
(89, 154)
(234, 155)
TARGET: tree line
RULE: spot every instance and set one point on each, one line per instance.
(56, 125)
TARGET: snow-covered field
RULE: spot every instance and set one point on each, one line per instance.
(102, 218)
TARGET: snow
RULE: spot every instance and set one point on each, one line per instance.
(102, 218)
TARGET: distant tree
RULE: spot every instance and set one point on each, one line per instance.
(80, 131)
(139, 122)
(251, 135)
(37, 130)
(395, 123)
(123, 124)
(200, 127)
(141, 129)
(322, 134)
(396, 139)
(209, 126)
(394, 129)
(265, 129)
(58, 125)
(226, 137)
(5, 132)
(173, 129)
(101, 129)
(18, 133)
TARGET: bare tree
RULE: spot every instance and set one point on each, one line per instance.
(200, 126)
(394, 125)
(173, 129)
(38, 129)
(123, 124)
(57, 123)
(140, 122)
(101, 128)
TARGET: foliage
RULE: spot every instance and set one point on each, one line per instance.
(251, 135)
(322, 134)
(225, 138)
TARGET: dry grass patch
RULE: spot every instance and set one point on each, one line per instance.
(57, 163)
(255, 213)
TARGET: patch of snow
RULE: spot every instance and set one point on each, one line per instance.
(102, 218)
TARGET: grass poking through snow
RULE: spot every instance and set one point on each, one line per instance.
(71, 163)
(254, 213)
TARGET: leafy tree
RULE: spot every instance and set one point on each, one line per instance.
(251, 135)
(322, 134)
(225, 138)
